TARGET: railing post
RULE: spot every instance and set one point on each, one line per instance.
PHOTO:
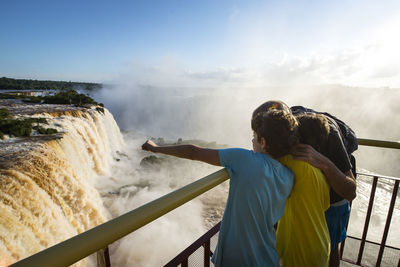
(103, 258)
(185, 263)
(207, 253)
(364, 236)
(387, 225)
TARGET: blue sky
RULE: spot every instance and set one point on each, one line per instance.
(347, 42)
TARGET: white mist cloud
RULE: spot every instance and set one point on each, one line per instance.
(170, 99)
(174, 102)
(132, 185)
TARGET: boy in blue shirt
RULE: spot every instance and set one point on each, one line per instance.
(259, 187)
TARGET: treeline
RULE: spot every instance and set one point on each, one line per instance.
(21, 84)
(68, 97)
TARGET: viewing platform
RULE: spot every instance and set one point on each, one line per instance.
(355, 251)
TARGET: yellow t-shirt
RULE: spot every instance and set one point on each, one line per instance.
(302, 237)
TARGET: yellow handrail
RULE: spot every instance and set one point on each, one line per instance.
(378, 143)
(84, 244)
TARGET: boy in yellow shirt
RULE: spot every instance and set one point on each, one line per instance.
(302, 234)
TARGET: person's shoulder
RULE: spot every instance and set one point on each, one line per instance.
(299, 166)
(288, 161)
(230, 157)
(236, 151)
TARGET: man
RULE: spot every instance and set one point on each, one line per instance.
(334, 162)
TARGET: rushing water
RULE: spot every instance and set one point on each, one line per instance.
(52, 188)
(47, 184)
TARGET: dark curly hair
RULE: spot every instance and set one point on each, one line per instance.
(271, 105)
(280, 130)
(313, 130)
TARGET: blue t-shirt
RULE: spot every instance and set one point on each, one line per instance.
(259, 187)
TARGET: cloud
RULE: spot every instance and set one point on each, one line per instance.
(376, 64)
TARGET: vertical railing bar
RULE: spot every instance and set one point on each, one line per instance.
(387, 225)
(185, 263)
(207, 253)
(193, 247)
(366, 224)
(103, 258)
(107, 257)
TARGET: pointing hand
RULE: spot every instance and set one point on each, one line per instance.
(149, 145)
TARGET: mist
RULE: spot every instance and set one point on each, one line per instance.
(169, 102)
(131, 184)
(216, 106)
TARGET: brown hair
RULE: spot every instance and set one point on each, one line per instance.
(313, 130)
(278, 128)
(271, 105)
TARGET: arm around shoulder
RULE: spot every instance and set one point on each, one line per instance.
(342, 183)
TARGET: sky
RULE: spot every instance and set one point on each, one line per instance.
(353, 43)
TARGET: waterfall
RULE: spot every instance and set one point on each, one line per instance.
(47, 183)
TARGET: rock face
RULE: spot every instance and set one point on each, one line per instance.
(47, 182)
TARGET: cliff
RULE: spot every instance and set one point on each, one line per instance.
(47, 191)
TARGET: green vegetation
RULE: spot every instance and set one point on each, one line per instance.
(11, 96)
(24, 127)
(4, 113)
(21, 127)
(100, 109)
(42, 130)
(33, 99)
(16, 128)
(70, 97)
(21, 84)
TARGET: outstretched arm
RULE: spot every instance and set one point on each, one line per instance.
(191, 152)
(342, 183)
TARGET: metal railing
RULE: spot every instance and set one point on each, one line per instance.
(363, 239)
(204, 241)
(378, 143)
(182, 258)
(98, 238)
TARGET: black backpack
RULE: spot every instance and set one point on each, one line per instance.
(348, 136)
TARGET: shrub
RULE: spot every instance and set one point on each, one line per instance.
(17, 128)
(33, 99)
(4, 113)
(42, 130)
(38, 120)
(100, 109)
(51, 131)
(70, 97)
